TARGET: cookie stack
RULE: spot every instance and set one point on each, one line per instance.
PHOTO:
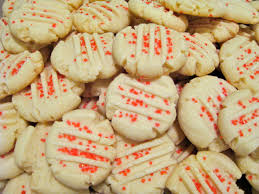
(129, 97)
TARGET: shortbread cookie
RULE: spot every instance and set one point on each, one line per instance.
(240, 62)
(33, 160)
(3, 53)
(202, 56)
(87, 57)
(154, 12)
(204, 8)
(11, 125)
(256, 30)
(255, 4)
(238, 122)
(240, 11)
(8, 167)
(102, 16)
(141, 109)
(206, 172)
(18, 71)
(48, 97)
(19, 185)
(149, 50)
(216, 30)
(40, 21)
(198, 109)
(80, 149)
(8, 7)
(142, 167)
(250, 166)
(73, 4)
(101, 103)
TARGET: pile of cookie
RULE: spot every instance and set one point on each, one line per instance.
(129, 97)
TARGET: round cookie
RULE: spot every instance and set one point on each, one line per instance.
(141, 109)
(48, 97)
(8, 167)
(8, 7)
(18, 71)
(85, 57)
(216, 30)
(206, 172)
(154, 12)
(20, 184)
(240, 11)
(12, 44)
(202, 56)
(239, 59)
(198, 108)
(204, 8)
(80, 149)
(102, 16)
(238, 122)
(250, 167)
(149, 50)
(11, 125)
(33, 160)
(142, 167)
(40, 21)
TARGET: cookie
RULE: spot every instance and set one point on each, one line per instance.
(18, 71)
(204, 8)
(215, 29)
(88, 57)
(240, 11)
(8, 167)
(256, 30)
(33, 160)
(238, 122)
(239, 59)
(198, 108)
(149, 50)
(20, 184)
(48, 97)
(8, 7)
(141, 109)
(101, 103)
(202, 56)
(11, 125)
(154, 12)
(12, 44)
(250, 167)
(73, 4)
(255, 4)
(206, 172)
(40, 21)
(102, 16)
(80, 149)
(142, 167)
(89, 104)
(3, 53)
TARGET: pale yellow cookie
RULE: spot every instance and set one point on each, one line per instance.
(204, 8)
(102, 16)
(11, 125)
(8, 167)
(73, 4)
(240, 11)
(80, 149)
(141, 109)
(19, 185)
(198, 108)
(206, 172)
(149, 50)
(141, 167)
(238, 122)
(3, 53)
(250, 167)
(48, 97)
(255, 4)
(239, 59)
(85, 57)
(8, 7)
(202, 56)
(154, 12)
(33, 160)
(40, 21)
(216, 30)
(18, 71)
